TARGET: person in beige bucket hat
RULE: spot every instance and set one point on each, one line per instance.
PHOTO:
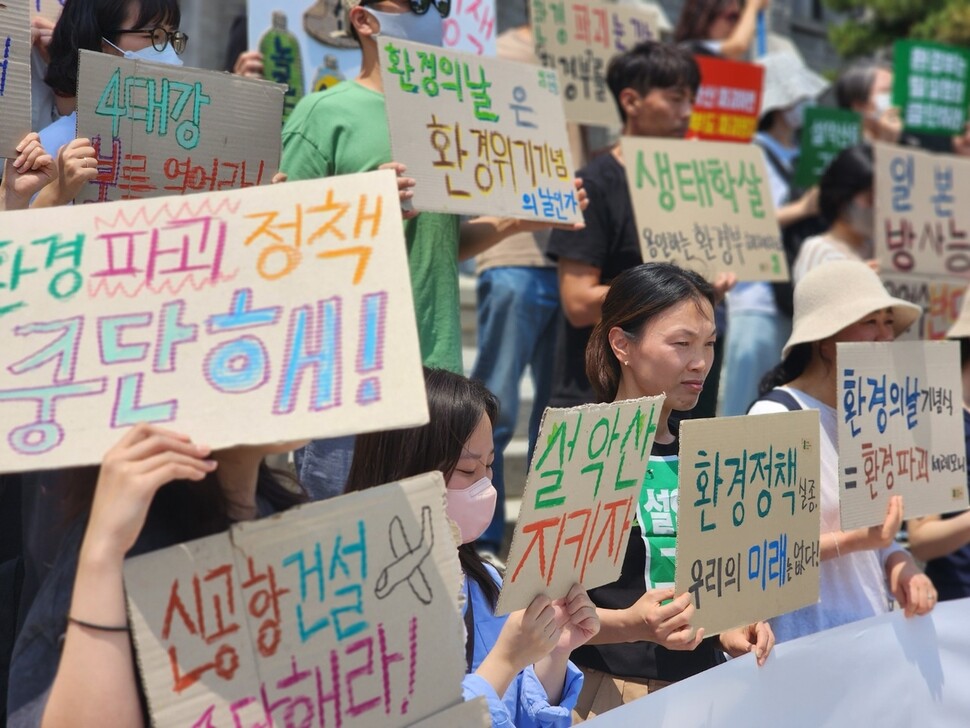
(843, 301)
(943, 541)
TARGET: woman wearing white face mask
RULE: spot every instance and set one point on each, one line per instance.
(142, 29)
(846, 202)
(866, 88)
(520, 662)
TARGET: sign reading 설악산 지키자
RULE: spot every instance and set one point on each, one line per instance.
(577, 40)
(164, 130)
(931, 86)
(14, 76)
(826, 132)
(900, 420)
(290, 302)
(336, 613)
(706, 207)
(580, 499)
(748, 517)
(482, 136)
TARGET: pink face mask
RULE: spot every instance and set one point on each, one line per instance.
(472, 508)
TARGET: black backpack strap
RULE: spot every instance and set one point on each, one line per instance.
(470, 633)
(780, 396)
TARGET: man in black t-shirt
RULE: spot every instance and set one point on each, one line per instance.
(654, 86)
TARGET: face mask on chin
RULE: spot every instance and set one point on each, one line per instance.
(148, 53)
(426, 29)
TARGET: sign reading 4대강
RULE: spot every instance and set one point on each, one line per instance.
(580, 499)
(165, 130)
(900, 430)
(14, 75)
(281, 302)
(706, 207)
(336, 613)
(481, 136)
(748, 518)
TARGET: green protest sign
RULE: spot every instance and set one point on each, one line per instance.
(930, 86)
(826, 133)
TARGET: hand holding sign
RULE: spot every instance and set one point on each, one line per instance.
(577, 615)
(667, 624)
(76, 166)
(910, 587)
(26, 175)
(757, 638)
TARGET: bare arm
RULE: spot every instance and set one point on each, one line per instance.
(735, 47)
(932, 537)
(581, 292)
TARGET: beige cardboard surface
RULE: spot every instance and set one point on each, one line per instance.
(50, 9)
(338, 612)
(704, 206)
(580, 499)
(749, 517)
(900, 421)
(482, 136)
(578, 40)
(14, 75)
(921, 227)
(166, 130)
(473, 714)
(940, 296)
(250, 316)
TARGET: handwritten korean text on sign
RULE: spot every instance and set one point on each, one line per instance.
(470, 27)
(580, 499)
(578, 39)
(826, 133)
(484, 136)
(931, 84)
(343, 613)
(14, 75)
(281, 302)
(728, 101)
(940, 297)
(749, 515)
(163, 130)
(900, 430)
(706, 207)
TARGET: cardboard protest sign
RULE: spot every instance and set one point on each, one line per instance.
(166, 130)
(941, 298)
(826, 133)
(280, 304)
(336, 613)
(50, 9)
(749, 517)
(580, 499)
(931, 86)
(706, 207)
(578, 40)
(484, 136)
(920, 227)
(470, 27)
(728, 101)
(900, 430)
(15, 121)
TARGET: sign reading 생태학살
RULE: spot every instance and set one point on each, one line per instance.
(577, 40)
(580, 499)
(748, 519)
(706, 207)
(163, 130)
(336, 613)
(920, 226)
(483, 136)
(728, 100)
(14, 75)
(900, 430)
(281, 302)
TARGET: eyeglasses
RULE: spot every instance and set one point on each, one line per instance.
(420, 7)
(160, 37)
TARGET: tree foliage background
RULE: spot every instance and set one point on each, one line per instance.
(873, 25)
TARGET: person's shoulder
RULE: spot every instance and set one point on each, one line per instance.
(763, 406)
(601, 167)
(319, 106)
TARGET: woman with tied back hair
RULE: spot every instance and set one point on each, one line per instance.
(843, 301)
(656, 336)
(719, 27)
(519, 663)
(846, 203)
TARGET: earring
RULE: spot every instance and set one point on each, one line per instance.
(626, 363)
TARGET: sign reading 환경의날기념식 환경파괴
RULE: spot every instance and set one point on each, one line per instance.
(336, 613)
(283, 302)
(748, 517)
(900, 425)
(580, 499)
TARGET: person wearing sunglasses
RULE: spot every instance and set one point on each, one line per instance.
(719, 27)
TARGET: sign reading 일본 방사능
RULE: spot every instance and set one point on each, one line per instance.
(931, 85)
(336, 613)
(282, 302)
(826, 133)
(483, 136)
(728, 100)
(14, 75)
(580, 499)
(749, 517)
(940, 297)
(163, 130)
(900, 419)
(578, 40)
(920, 225)
(706, 207)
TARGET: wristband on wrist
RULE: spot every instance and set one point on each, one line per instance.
(98, 627)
